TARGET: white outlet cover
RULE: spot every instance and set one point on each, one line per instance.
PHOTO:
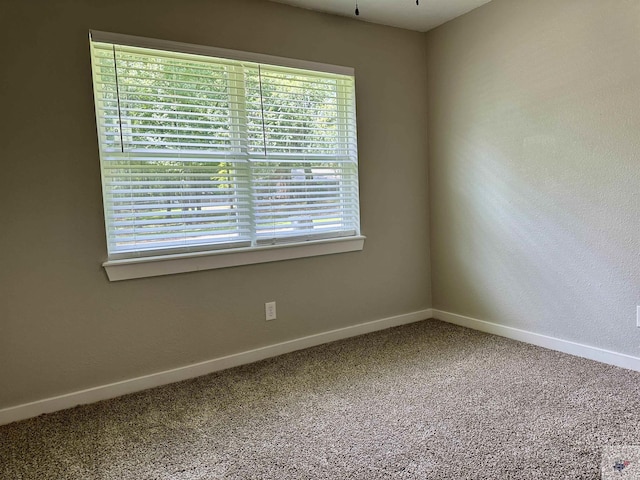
(270, 311)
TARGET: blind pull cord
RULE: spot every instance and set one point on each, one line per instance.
(115, 67)
(264, 129)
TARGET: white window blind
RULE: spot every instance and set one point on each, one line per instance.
(200, 152)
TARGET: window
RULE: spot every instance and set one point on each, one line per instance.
(214, 152)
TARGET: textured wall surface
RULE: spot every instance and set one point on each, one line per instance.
(534, 151)
(63, 326)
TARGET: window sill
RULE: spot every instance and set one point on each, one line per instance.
(192, 262)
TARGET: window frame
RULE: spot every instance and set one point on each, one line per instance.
(170, 263)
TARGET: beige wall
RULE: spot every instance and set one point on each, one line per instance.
(63, 326)
(534, 151)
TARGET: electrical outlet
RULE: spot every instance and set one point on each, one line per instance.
(270, 311)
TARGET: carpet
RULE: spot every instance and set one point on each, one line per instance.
(428, 400)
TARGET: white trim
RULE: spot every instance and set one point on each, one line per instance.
(191, 262)
(104, 392)
(558, 344)
(144, 42)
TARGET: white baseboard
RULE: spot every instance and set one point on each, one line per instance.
(104, 392)
(565, 346)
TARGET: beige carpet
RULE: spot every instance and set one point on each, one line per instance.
(422, 401)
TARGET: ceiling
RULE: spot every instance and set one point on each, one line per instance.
(397, 13)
